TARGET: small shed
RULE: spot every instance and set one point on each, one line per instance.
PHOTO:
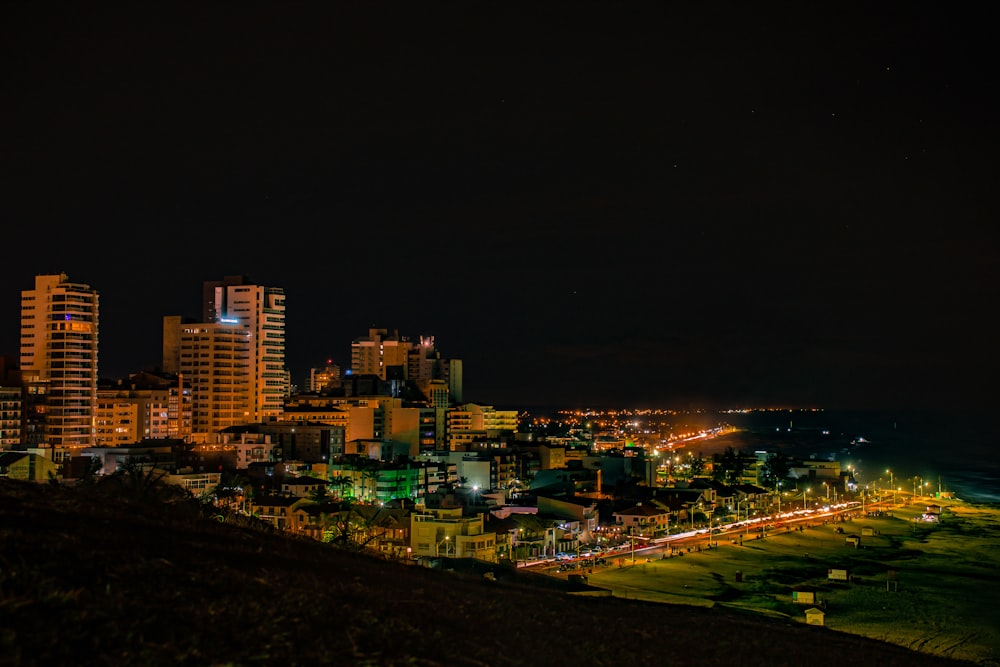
(853, 540)
(834, 574)
(804, 597)
(815, 616)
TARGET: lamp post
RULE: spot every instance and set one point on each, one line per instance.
(446, 542)
(804, 494)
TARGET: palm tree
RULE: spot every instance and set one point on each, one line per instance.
(339, 482)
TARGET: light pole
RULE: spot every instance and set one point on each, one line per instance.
(446, 542)
(804, 494)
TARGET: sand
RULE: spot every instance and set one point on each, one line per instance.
(930, 586)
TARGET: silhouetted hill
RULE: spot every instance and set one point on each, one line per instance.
(91, 578)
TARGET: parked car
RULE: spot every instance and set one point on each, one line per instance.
(562, 555)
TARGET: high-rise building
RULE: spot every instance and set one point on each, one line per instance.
(234, 359)
(216, 359)
(58, 360)
(261, 310)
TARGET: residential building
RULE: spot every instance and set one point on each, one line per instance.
(58, 360)
(470, 422)
(146, 406)
(217, 360)
(260, 310)
(279, 511)
(324, 378)
(643, 520)
(158, 454)
(303, 486)
(11, 416)
(375, 353)
(446, 532)
(196, 483)
(242, 445)
(582, 511)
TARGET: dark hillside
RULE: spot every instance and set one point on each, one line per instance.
(92, 579)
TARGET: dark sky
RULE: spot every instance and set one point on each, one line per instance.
(590, 203)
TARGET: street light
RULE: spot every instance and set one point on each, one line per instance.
(446, 542)
(804, 494)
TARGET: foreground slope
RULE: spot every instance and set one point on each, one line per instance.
(92, 579)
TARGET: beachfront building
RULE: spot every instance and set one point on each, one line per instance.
(446, 532)
(643, 520)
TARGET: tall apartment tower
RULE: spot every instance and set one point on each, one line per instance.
(59, 327)
(216, 360)
(261, 310)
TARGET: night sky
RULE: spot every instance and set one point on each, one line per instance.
(590, 203)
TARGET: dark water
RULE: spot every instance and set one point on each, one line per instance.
(956, 452)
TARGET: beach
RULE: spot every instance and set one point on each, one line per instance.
(930, 586)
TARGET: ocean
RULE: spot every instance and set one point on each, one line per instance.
(948, 451)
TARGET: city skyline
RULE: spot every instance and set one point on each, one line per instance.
(598, 207)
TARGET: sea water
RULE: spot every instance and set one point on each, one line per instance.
(938, 451)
